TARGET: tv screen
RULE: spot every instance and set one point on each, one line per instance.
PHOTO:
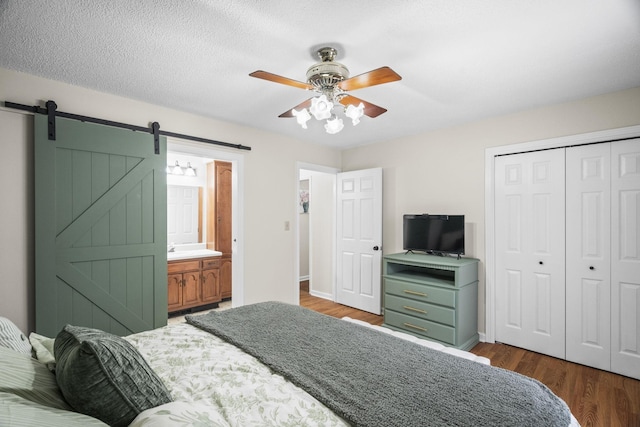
(436, 234)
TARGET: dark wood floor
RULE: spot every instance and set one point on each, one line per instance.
(596, 398)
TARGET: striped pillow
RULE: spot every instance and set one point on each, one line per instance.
(12, 337)
(24, 376)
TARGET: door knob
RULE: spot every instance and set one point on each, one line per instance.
(375, 248)
(541, 262)
(592, 268)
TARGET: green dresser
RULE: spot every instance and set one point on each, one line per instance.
(432, 297)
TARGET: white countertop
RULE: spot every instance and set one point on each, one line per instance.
(197, 253)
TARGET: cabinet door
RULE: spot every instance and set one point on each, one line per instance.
(174, 292)
(588, 255)
(191, 289)
(211, 285)
(625, 257)
(530, 251)
(225, 276)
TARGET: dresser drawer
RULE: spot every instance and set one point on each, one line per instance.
(210, 263)
(420, 327)
(420, 309)
(179, 267)
(430, 294)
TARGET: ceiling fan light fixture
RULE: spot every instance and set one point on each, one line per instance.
(354, 113)
(334, 125)
(331, 81)
(321, 107)
(302, 117)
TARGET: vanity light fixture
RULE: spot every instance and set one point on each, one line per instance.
(179, 170)
(190, 171)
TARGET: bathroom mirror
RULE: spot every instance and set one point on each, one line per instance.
(184, 215)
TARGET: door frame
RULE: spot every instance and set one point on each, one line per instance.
(296, 226)
(489, 197)
(237, 205)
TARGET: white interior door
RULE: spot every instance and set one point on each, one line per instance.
(625, 257)
(588, 181)
(359, 239)
(530, 259)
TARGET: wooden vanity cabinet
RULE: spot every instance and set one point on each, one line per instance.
(225, 276)
(192, 283)
(211, 281)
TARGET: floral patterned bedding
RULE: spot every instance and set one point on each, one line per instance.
(214, 383)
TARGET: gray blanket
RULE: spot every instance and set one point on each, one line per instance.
(374, 379)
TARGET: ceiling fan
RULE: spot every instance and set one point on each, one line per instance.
(331, 81)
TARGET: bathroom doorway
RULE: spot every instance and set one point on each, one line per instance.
(209, 157)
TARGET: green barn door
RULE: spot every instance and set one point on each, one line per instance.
(100, 228)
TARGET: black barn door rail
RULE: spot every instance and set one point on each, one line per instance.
(52, 112)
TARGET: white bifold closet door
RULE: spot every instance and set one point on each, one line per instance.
(530, 250)
(625, 258)
(603, 256)
(589, 255)
(583, 300)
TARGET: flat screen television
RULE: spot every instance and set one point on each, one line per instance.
(433, 234)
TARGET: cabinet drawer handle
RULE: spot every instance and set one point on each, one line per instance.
(406, 307)
(421, 294)
(409, 325)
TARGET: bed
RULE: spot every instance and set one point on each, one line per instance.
(266, 364)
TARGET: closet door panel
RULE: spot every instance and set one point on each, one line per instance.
(588, 255)
(530, 294)
(625, 257)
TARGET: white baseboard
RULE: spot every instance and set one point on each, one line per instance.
(322, 295)
(303, 278)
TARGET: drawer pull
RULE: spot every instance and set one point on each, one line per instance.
(409, 325)
(406, 307)
(421, 294)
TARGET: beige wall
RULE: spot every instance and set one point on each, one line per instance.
(270, 184)
(443, 171)
(440, 171)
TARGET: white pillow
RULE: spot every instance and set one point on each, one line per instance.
(43, 348)
(12, 337)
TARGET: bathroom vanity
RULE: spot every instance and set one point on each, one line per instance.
(193, 279)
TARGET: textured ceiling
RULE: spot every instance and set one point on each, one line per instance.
(460, 60)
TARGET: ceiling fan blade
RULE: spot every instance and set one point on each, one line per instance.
(305, 104)
(279, 79)
(371, 78)
(370, 109)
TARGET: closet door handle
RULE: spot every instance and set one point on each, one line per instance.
(540, 262)
(592, 268)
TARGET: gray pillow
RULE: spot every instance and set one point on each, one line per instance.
(104, 376)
